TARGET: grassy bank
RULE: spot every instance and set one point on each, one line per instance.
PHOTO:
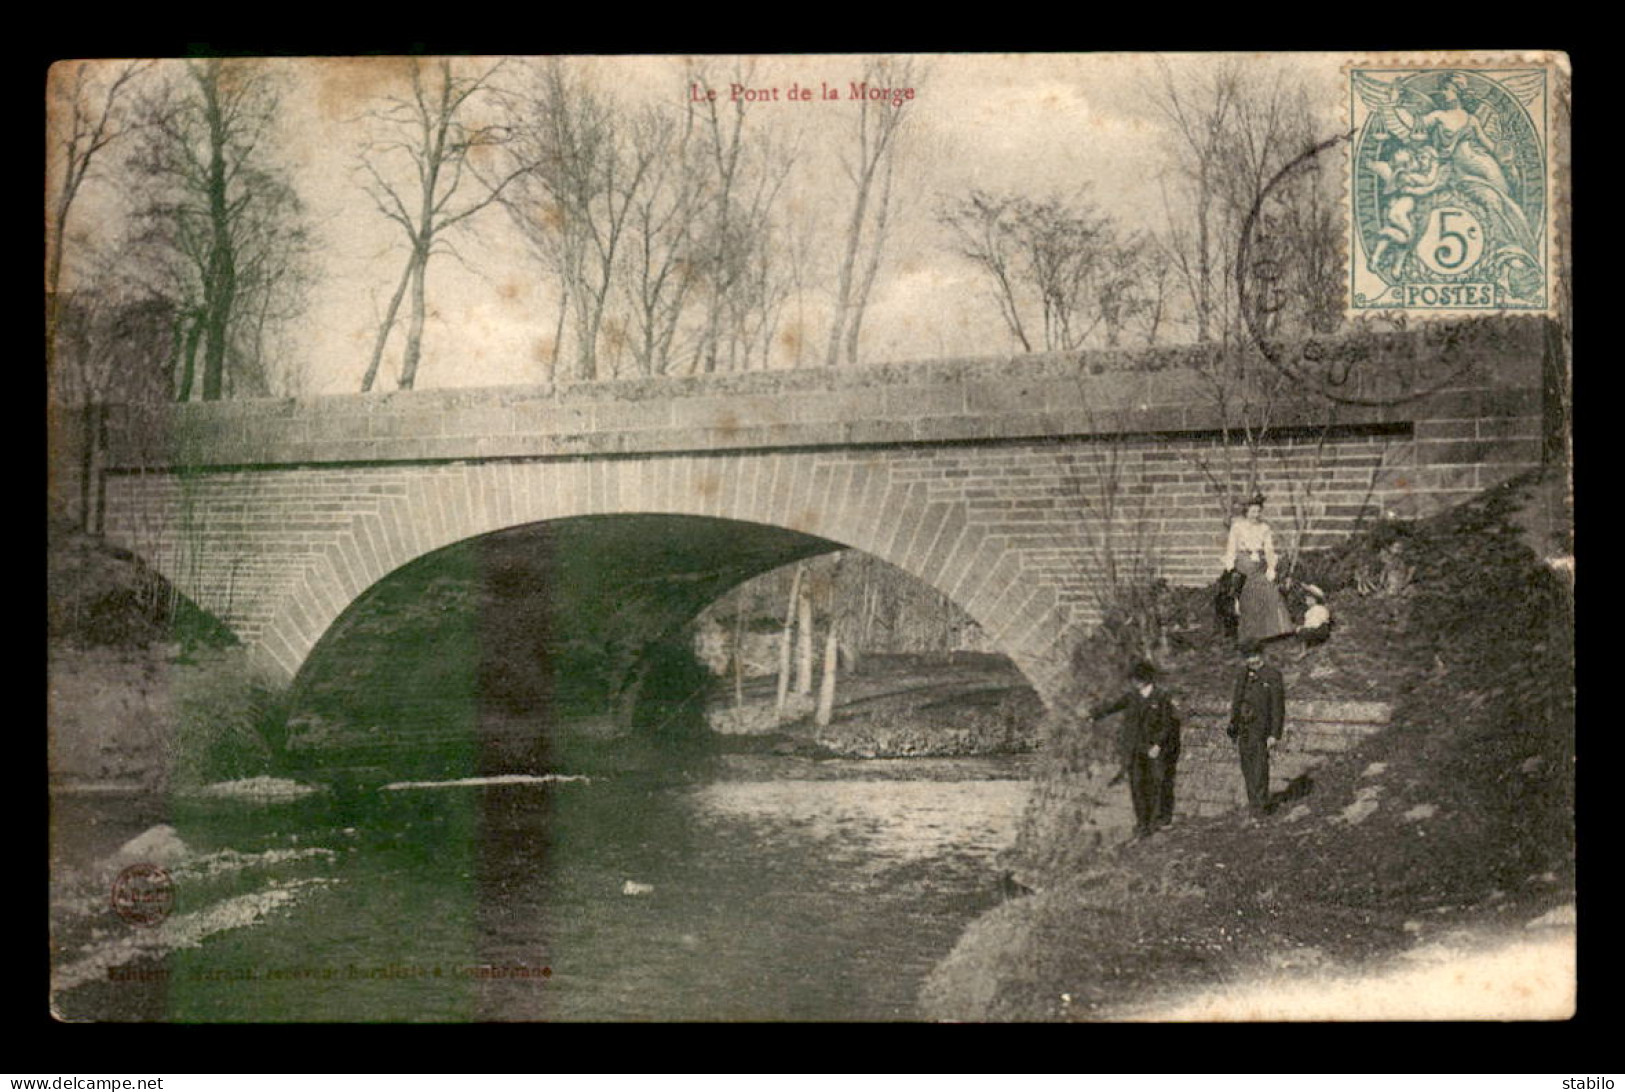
(1458, 819)
(146, 692)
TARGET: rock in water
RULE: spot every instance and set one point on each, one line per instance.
(258, 788)
(632, 887)
(160, 845)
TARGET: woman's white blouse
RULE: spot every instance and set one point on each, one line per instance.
(1250, 537)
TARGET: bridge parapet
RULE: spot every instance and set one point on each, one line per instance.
(1487, 372)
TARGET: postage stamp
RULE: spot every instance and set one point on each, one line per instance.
(1450, 192)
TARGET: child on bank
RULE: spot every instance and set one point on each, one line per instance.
(1317, 620)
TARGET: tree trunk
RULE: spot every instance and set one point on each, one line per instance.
(843, 286)
(414, 329)
(87, 461)
(217, 322)
(177, 339)
(220, 288)
(558, 335)
(1204, 273)
(877, 243)
(784, 674)
(739, 653)
(586, 339)
(194, 330)
(386, 326)
(826, 688)
(804, 641)
(784, 642)
(870, 603)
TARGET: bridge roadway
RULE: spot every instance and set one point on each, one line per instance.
(991, 480)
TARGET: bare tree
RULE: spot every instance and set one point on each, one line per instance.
(755, 261)
(871, 171)
(1198, 112)
(577, 197)
(659, 255)
(1294, 247)
(89, 112)
(1066, 248)
(979, 223)
(660, 225)
(799, 231)
(218, 228)
(275, 279)
(1155, 288)
(740, 285)
(114, 343)
(427, 145)
(1233, 128)
(718, 255)
(1058, 257)
(1127, 288)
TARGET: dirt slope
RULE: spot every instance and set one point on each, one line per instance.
(1456, 823)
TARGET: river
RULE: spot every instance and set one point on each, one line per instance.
(770, 888)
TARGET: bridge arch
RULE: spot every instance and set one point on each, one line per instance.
(846, 499)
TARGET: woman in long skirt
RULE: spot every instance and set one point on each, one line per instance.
(1251, 552)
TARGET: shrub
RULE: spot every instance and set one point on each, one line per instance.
(228, 721)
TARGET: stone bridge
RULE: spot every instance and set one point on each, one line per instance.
(987, 479)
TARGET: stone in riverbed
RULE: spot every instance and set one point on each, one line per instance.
(160, 845)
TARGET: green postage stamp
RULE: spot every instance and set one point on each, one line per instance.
(1450, 186)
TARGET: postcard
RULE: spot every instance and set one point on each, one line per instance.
(962, 537)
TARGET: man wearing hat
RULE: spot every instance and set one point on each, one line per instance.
(1148, 744)
(1257, 721)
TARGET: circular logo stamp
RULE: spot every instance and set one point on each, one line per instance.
(143, 894)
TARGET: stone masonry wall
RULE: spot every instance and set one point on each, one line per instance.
(986, 479)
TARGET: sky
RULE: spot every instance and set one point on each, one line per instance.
(1036, 124)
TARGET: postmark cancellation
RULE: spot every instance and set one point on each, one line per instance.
(1451, 184)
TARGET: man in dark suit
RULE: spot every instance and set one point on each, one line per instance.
(1257, 721)
(1148, 744)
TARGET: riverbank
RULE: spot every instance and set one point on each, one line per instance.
(150, 720)
(916, 705)
(144, 692)
(1455, 823)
